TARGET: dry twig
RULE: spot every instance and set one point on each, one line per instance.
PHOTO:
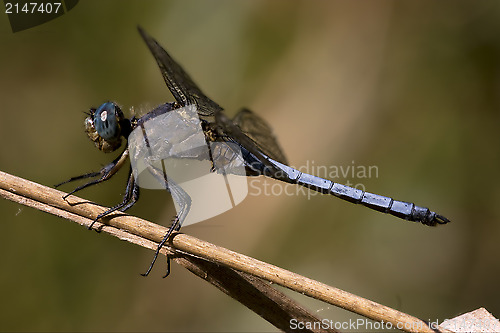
(239, 276)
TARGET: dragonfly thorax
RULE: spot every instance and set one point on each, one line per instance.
(106, 125)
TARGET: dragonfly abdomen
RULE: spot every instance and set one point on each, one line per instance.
(404, 210)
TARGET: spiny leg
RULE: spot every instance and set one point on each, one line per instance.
(87, 175)
(173, 227)
(129, 199)
(106, 173)
(168, 267)
(184, 202)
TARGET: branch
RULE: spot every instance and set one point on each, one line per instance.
(252, 292)
(239, 276)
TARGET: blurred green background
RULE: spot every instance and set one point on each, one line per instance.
(412, 88)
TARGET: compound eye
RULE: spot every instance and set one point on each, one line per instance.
(106, 121)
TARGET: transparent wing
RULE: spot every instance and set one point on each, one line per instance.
(186, 92)
(261, 134)
(182, 87)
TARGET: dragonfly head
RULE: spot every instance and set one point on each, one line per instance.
(105, 126)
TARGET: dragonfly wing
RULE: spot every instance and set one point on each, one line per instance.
(259, 131)
(233, 133)
(260, 141)
(182, 87)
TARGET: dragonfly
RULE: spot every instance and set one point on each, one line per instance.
(259, 150)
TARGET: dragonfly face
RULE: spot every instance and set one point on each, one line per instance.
(106, 125)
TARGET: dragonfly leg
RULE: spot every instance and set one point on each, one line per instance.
(184, 202)
(72, 179)
(167, 273)
(131, 193)
(176, 228)
(172, 228)
(129, 199)
(105, 173)
(210, 156)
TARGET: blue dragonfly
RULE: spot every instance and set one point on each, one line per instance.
(245, 146)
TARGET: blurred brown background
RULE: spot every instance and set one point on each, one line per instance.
(410, 87)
